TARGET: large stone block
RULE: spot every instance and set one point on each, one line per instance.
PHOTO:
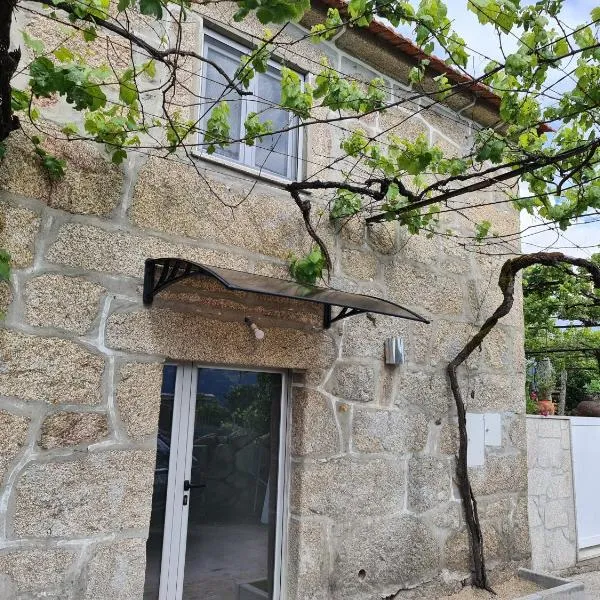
(550, 454)
(497, 350)
(383, 238)
(376, 558)
(116, 571)
(446, 515)
(308, 561)
(18, 228)
(100, 493)
(515, 431)
(104, 50)
(385, 59)
(446, 337)
(73, 428)
(347, 487)
(495, 393)
(419, 288)
(178, 201)
(457, 550)
(138, 397)
(555, 514)
(68, 303)
(359, 265)
(96, 249)
(449, 124)
(419, 248)
(365, 337)
(189, 336)
(403, 124)
(5, 297)
(36, 572)
(351, 232)
(501, 473)
(516, 531)
(49, 370)
(428, 391)
(354, 382)
(314, 427)
(485, 296)
(92, 184)
(13, 433)
(375, 430)
(429, 482)
(449, 439)
(319, 139)
(495, 208)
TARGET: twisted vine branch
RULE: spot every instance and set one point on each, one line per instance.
(305, 208)
(506, 282)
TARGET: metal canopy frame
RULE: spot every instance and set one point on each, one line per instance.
(160, 273)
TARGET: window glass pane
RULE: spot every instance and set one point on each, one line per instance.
(214, 90)
(273, 153)
(154, 543)
(276, 154)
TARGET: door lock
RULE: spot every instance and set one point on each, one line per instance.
(187, 486)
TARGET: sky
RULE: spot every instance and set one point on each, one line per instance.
(583, 238)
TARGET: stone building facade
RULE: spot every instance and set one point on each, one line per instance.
(369, 502)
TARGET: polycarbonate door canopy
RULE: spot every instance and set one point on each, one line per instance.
(160, 273)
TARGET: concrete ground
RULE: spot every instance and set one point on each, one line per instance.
(592, 584)
(218, 558)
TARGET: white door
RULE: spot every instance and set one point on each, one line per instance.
(585, 440)
(218, 505)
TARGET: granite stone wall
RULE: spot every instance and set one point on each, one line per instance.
(373, 508)
(551, 494)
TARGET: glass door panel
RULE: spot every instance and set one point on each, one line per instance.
(233, 486)
(217, 510)
(154, 544)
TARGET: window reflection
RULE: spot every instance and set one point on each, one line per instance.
(154, 543)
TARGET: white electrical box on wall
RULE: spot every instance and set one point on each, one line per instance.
(493, 429)
(476, 439)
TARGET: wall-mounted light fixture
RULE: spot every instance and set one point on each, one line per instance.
(394, 351)
(259, 334)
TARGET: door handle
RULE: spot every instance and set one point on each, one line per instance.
(187, 486)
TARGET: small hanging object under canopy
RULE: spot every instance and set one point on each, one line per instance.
(160, 273)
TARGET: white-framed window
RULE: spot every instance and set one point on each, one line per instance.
(278, 154)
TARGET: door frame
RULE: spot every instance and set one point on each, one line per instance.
(180, 463)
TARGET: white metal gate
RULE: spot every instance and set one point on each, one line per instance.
(585, 442)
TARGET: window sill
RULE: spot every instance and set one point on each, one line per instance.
(249, 172)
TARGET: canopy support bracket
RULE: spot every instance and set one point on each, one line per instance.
(172, 270)
(343, 314)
